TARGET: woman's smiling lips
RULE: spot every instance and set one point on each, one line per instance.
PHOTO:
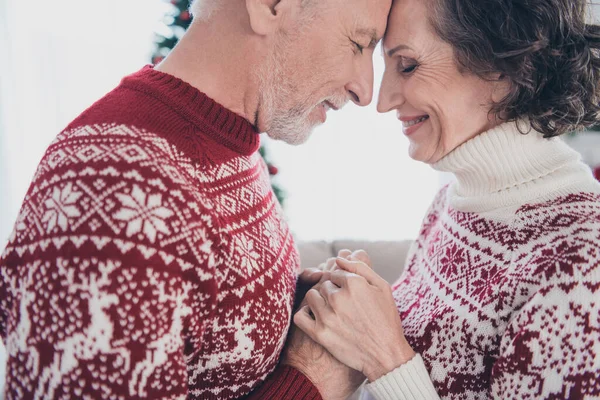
(411, 124)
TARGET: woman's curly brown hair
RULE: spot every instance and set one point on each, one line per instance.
(544, 47)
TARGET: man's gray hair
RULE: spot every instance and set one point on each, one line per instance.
(204, 9)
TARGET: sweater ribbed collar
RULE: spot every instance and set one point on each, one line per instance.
(502, 167)
(226, 127)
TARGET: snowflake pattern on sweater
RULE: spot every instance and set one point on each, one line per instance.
(507, 308)
(138, 271)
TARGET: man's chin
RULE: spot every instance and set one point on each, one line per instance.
(294, 139)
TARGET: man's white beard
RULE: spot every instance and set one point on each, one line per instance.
(293, 125)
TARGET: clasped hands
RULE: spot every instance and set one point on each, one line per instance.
(347, 328)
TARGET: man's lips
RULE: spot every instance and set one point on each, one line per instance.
(331, 105)
(325, 106)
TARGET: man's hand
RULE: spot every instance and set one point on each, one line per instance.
(333, 379)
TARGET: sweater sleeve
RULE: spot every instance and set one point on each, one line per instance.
(286, 383)
(107, 277)
(551, 348)
(410, 381)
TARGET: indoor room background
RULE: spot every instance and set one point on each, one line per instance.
(352, 180)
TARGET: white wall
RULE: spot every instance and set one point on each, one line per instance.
(56, 58)
(354, 179)
(5, 198)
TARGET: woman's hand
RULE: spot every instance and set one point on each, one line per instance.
(312, 276)
(354, 316)
(334, 380)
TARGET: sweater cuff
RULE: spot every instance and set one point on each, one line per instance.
(409, 381)
(286, 383)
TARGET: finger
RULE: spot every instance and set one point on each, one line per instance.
(304, 320)
(310, 276)
(324, 277)
(344, 253)
(344, 279)
(327, 265)
(361, 269)
(328, 289)
(317, 304)
(331, 264)
(361, 255)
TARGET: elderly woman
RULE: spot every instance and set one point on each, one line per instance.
(501, 294)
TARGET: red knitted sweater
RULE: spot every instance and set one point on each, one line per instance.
(150, 258)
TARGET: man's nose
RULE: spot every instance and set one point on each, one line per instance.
(361, 87)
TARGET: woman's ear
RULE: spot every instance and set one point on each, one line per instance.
(501, 87)
(264, 16)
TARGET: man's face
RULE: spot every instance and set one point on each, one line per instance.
(320, 60)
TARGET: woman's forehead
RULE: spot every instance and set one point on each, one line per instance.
(408, 23)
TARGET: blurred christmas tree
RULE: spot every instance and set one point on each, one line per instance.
(176, 21)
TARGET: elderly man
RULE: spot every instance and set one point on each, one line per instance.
(150, 258)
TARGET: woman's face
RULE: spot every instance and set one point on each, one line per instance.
(440, 107)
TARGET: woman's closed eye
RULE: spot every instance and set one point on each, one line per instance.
(407, 66)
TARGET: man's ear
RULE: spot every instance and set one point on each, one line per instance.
(264, 15)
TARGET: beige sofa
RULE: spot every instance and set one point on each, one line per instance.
(388, 258)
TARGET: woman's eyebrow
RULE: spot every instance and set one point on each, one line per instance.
(397, 48)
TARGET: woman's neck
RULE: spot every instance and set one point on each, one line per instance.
(503, 167)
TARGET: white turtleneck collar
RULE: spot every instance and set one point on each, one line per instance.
(503, 167)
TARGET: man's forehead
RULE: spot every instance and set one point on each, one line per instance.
(368, 17)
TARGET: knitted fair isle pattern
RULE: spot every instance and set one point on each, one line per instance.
(135, 272)
(507, 310)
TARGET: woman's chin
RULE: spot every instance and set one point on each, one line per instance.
(415, 152)
(422, 154)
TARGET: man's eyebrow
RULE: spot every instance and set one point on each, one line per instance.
(372, 34)
(397, 48)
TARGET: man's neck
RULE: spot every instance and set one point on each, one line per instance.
(219, 63)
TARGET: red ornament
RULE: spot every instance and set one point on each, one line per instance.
(185, 15)
(597, 172)
(157, 59)
(272, 169)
